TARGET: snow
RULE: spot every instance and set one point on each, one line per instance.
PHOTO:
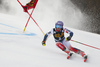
(18, 49)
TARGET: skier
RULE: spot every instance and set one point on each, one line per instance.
(30, 5)
(62, 42)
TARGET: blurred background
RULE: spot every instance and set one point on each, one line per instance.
(79, 14)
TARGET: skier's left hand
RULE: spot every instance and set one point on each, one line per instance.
(68, 38)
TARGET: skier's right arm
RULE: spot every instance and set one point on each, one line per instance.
(46, 36)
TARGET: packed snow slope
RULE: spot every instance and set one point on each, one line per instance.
(18, 49)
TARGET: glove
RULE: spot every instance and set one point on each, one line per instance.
(68, 38)
(43, 43)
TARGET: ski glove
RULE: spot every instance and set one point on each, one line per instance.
(68, 38)
(43, 43)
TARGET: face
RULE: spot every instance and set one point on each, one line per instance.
(58, 28)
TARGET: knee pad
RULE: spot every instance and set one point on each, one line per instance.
(62, 47)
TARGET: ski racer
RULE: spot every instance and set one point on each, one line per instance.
(62, 42)
(30, 5)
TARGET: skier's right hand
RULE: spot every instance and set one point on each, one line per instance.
(43, 43)
(68, 38)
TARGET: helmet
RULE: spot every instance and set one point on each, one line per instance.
(59, 24)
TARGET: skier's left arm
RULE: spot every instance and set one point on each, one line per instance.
(70, 34)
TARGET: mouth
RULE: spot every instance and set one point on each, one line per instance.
(58, 29)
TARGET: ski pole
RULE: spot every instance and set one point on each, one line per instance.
(86, 44)
(28, 20)
(36, 23)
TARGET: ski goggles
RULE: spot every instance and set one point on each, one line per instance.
(58, 26)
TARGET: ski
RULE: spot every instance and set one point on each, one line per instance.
(68, 57)
(70, 54)
(85, 58)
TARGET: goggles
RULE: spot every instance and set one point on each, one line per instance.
(58, 26)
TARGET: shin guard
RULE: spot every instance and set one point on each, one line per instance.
(78, 51)
(75, 50)
(62, 47)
